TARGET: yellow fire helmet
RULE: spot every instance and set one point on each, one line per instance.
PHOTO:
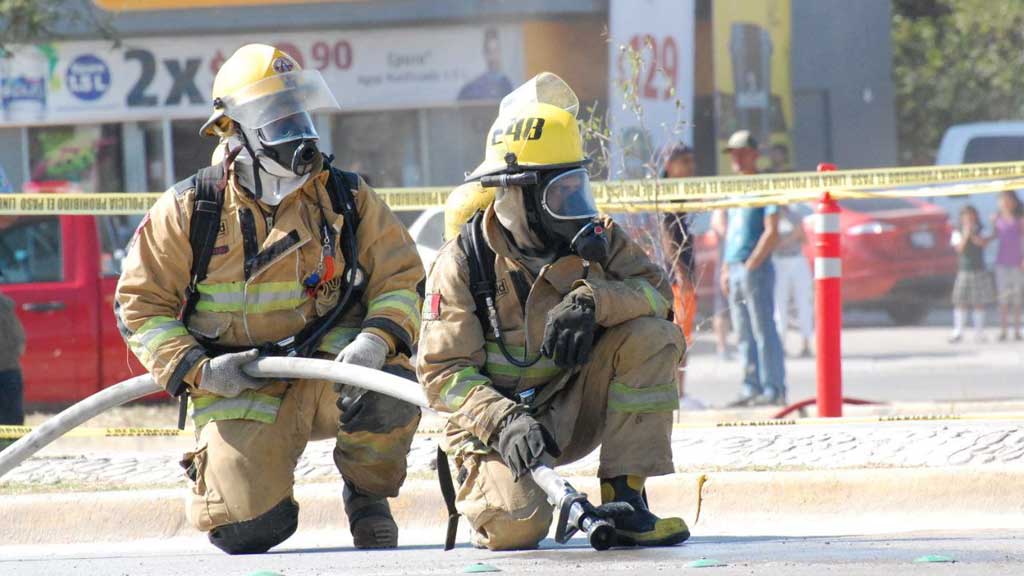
(536, 124)
(462, 203)
(259, 85)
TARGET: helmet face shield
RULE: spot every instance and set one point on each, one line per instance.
(290, 128)
(276, 97)
(568, 196)
(544, 88)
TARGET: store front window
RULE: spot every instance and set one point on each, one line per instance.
(388, 146)
(156, 167)
(85, 158)
(463, 131)
(383, 147)
(191, 151)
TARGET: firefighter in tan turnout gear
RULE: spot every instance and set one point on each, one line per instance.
(300, 258)
(546, 335)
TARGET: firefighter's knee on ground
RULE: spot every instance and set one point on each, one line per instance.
(504, 514)
(504, 531)
(259, 534)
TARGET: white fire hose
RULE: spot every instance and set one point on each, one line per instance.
(574, 511)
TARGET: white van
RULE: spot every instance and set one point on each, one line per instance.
(428, 233)
(977, 143)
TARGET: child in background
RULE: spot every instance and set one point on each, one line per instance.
(973, 289)
(1009, 231)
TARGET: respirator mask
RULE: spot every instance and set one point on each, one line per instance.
(568, 214)
(279, 158)
(560, 210)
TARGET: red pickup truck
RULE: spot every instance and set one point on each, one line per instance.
(61, 272)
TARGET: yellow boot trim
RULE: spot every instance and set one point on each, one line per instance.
(667, 532)
(608, 491)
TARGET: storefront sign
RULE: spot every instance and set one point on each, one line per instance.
(149, 79)
(134, 5)
(751, 62)
(651, 77)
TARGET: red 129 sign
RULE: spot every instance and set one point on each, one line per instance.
(660, 58)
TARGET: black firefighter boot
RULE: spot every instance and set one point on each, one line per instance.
(642, 528)
(369, 519)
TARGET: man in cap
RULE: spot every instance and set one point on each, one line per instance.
(273, 252)
(546, 335)
(748, 280)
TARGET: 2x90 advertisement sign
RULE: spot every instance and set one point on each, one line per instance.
(156, 78)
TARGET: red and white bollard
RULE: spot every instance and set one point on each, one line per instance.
(828, 303)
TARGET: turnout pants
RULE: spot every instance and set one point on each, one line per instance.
(242, 468)
(622, 401)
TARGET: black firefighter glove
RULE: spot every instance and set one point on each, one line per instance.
(521, 443)
(368, 411)
(569, 332)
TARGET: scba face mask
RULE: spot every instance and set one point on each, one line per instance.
(291, 141)
(568, 215)
(281, 157)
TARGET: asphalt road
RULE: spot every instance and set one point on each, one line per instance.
(880, 362)
(975, 553)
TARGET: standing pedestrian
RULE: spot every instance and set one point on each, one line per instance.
(973, 289)
(12, 346)
(5, 182)
(1009, 231)
(720, 323)
(678, 247)
(778, 158)
(793, 279)
(748, 279)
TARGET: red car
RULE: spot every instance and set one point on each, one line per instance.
(61, 272)
(896, 255)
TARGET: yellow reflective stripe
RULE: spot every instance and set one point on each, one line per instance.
(659, 306)
(498, 365)
(256, 299)
(338, 338)
(623, 398)
(248, 405)
(405, 301)
(459, 385)
(153, 333)
(289, 304)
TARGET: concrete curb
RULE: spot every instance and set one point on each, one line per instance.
(820, 502)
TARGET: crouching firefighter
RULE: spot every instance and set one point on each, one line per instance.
(546, 335)
(274, 252)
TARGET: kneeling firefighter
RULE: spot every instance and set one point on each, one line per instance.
(274, 252)
(546, 335)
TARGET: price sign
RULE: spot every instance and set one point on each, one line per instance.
(651, 82)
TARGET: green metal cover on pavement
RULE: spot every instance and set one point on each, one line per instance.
(706, 563)
(266, 573)
(934, 558)
(480, 567)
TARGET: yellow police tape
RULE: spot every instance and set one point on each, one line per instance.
(1001, 416)
(15, 432)
(687, 194)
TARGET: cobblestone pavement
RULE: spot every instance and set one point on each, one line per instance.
(903, 444)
